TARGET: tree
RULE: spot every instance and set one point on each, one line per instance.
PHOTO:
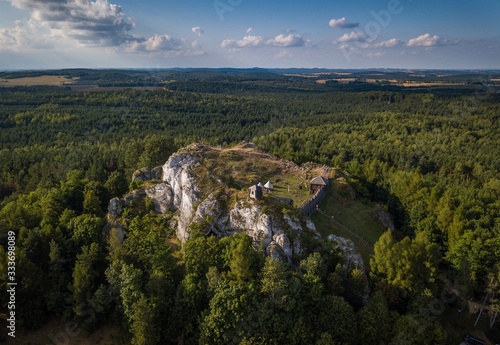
(410, 265)
(86, 276)
(130, 285)
(116, 184)
(375, 321)
(73, 188)
(91, 203)
(143, 327)
(232, 316)
(336, 317)
(412, 330)
(357, 288)
(87, 229)
(274, 283)
(245, 261)
(59, 278)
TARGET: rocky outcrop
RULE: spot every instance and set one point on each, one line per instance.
(352, 257)
(146, 174)
(115, 208)
(178, 173)
(180, 193)
(162, 197)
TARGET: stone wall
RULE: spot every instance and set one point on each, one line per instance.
(309, 206)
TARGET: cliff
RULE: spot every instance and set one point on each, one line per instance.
(208, 187)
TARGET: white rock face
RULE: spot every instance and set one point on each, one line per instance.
(180, 193)
(162, 197)
(115, 207)
(250, 219)
(265, 229)
(352, 258)
(348, 248)
(177, 173)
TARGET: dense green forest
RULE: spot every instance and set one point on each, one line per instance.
(431, 156)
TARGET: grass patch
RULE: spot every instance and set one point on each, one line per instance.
(242, 166)
(354, 214)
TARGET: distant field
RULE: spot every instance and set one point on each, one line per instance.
(85, 88)
(413, 84)
(45, 80)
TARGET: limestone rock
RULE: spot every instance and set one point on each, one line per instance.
(274, 250)
(284, 243)
(351, 255)
(147, 174)
(180, 191)
(209, 210)
(115, 207)
(250, 219)
(177, 172)
(134, 196)
(162, 197)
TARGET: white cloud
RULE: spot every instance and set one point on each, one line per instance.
(289, 40)
(89, 22)
(425, 40)
(14, 38)
(249, 41)
(249, 30)
(24, 35)
(342, 23)
(197, 31)
(165, 45)
(354, 36)
(392, 43)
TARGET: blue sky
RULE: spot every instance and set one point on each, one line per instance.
(429, 34)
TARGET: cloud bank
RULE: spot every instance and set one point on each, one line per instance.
(249, 41)
(87, 23)
(90, 23)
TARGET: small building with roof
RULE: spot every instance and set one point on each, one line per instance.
(317, 184)
(256, 192)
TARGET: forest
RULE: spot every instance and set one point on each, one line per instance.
(430, 155)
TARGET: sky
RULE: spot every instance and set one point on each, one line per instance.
(343, 34)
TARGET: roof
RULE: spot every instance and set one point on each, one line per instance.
(260, 185)
(268, 185)
(255, 187)
(319, 180)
